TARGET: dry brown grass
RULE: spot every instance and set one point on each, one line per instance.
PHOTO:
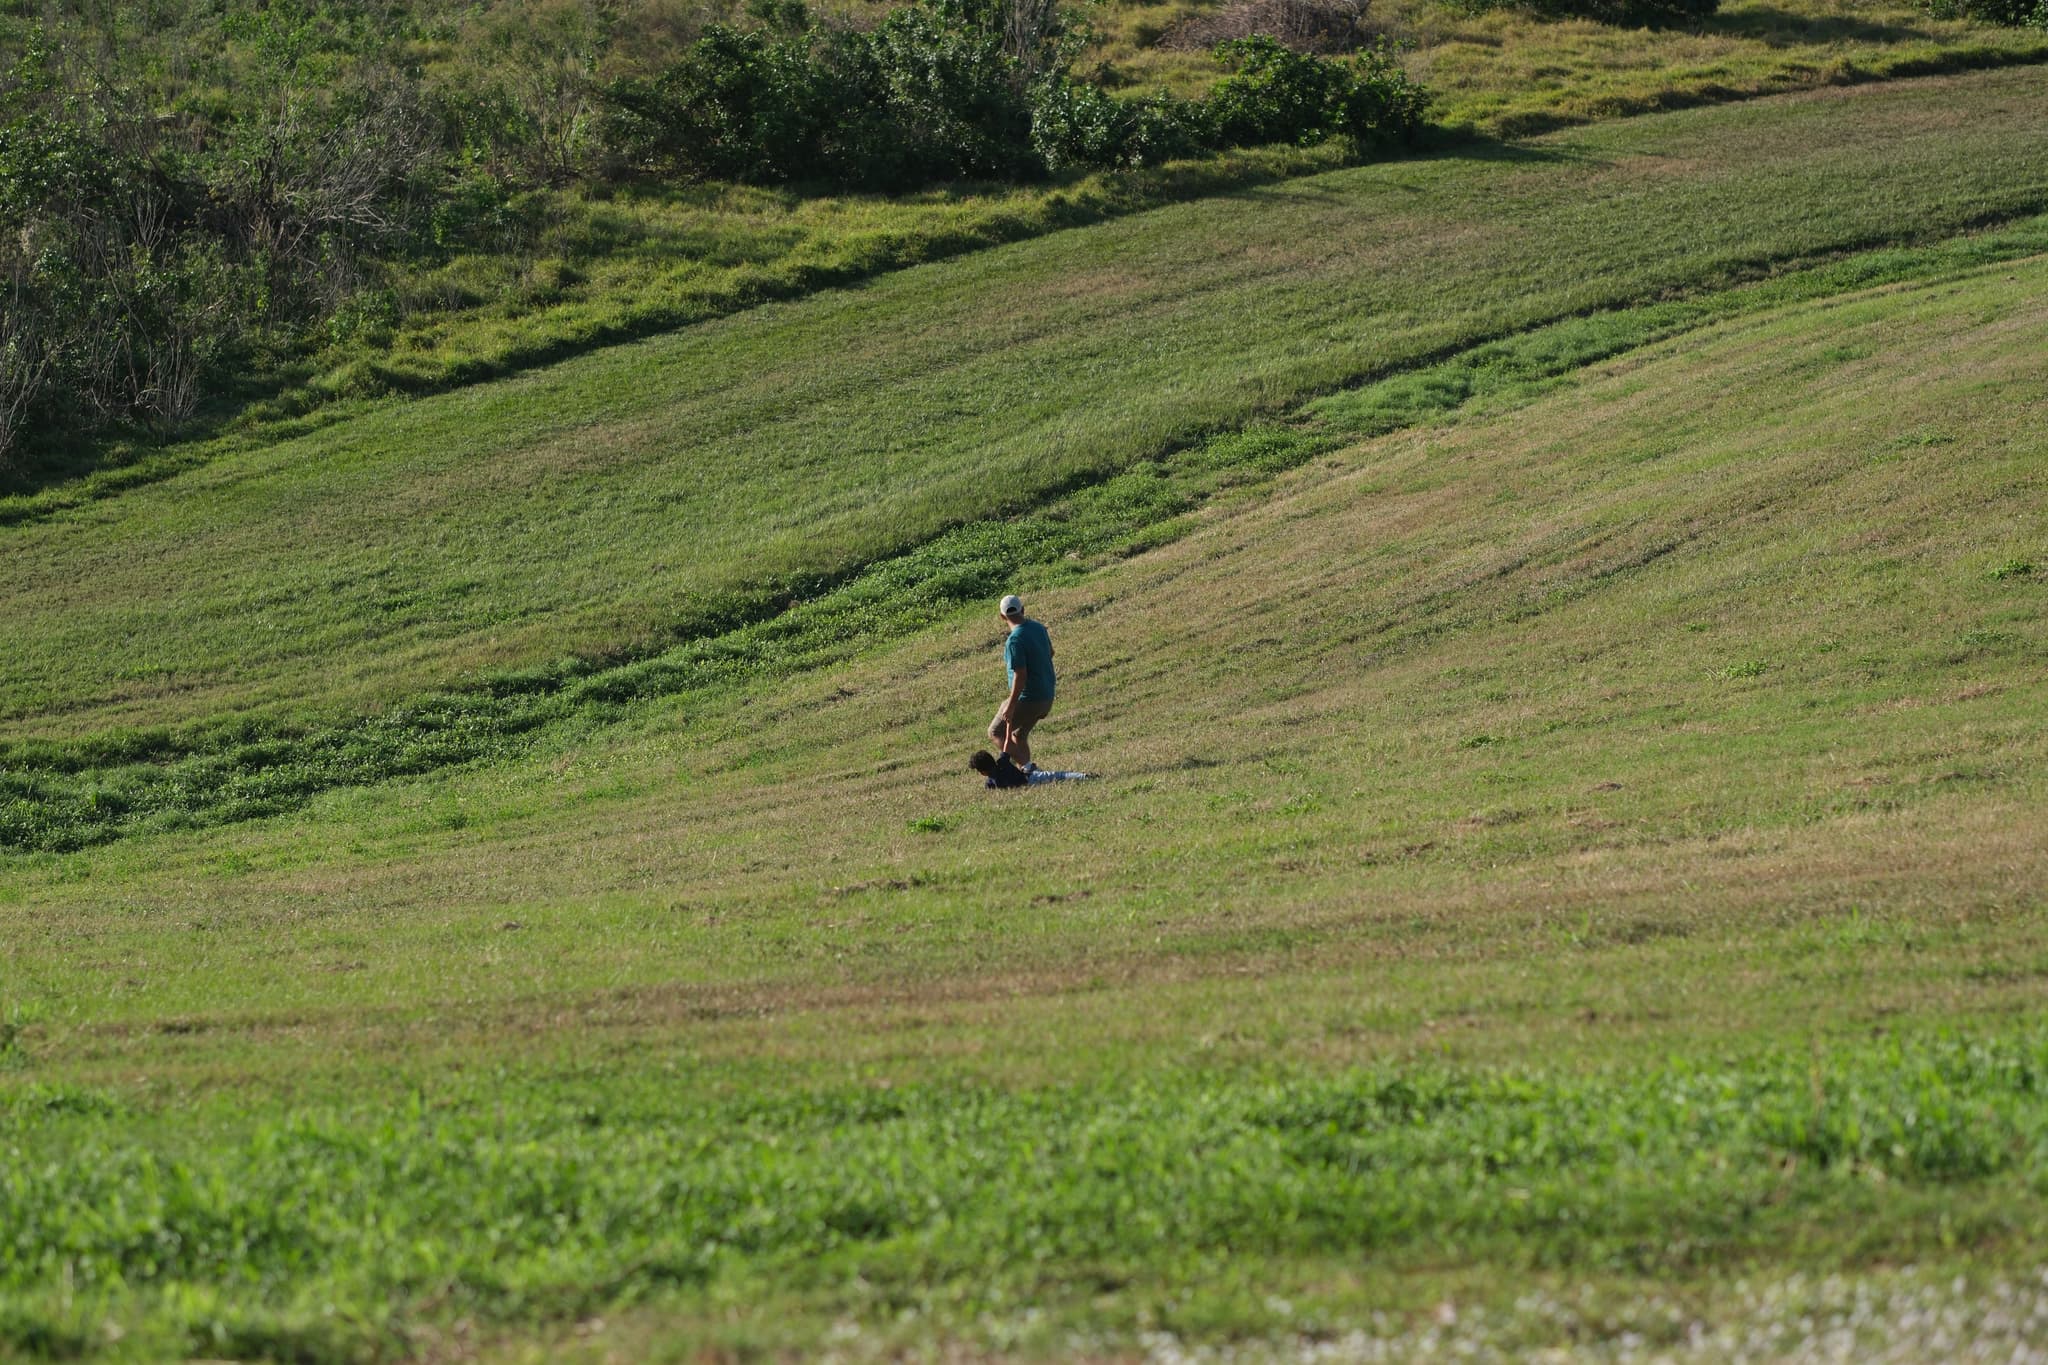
(1321, 26)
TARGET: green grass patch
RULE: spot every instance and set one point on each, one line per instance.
(327, 1232)
(742, 1018)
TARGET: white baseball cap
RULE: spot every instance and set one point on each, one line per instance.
(1013, 606)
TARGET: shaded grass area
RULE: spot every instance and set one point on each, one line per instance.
(57, 797)
(611, 505)
(340, 1233)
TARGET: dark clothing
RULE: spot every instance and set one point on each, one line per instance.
(1025, 713)
(1008, 774)
(1030, 648)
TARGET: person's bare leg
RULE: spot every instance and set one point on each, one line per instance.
(999, 731)
(1018, 743)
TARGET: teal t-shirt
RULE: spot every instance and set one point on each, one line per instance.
(1030, 648)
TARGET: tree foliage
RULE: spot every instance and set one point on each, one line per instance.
(953, 89)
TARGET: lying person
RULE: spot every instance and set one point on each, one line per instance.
(1001, 772)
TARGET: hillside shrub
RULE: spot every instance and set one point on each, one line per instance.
(114, 306)
(933, 93)
(1075, 126)
(738, 106)
(1276, 94)
(132, 267)
(953, 90)
(946, 89)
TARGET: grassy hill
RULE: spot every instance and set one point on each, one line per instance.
(1566, 864)
(645, 492)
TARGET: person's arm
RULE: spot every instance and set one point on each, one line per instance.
(1017, 680)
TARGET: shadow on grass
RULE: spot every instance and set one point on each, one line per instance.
(1782, 28)
(1794, 78)
(1440, 145)
(130, 454)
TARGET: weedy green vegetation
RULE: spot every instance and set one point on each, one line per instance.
(329, 1234)
(2011, 13)
(200, 214)
(659, 490)
(255, 220)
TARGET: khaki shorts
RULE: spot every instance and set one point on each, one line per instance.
(1024, 715)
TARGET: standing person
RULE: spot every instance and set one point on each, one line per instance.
(1027, 654)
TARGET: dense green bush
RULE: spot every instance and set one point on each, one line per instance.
(1278, 95)
(1075, 126)
(951, 93)
(739, 106)
(943, 89)
(930, 94)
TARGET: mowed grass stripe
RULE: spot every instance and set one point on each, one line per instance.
(1748, 585)
(623, 498)
(55, 797)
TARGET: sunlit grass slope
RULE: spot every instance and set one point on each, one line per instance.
(1507, 71)
(654, 489)
(1591, 841)
(1510, 73)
